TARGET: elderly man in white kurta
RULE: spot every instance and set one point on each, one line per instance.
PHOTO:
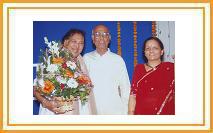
(109, 75)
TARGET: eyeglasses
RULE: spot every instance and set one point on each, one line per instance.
(101, 34)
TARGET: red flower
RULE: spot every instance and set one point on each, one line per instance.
(64, 65)
(62, 86)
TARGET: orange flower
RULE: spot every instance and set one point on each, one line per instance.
(69, 73)
(58, 60)
(48, 87)
(84, 80)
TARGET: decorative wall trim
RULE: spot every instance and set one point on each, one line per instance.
(135, 43)
(119, 52)
(154, 33)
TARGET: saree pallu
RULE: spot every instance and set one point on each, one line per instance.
(154, 90)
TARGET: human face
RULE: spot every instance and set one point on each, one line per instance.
(75, 44)
(101, 38)
(153, 51)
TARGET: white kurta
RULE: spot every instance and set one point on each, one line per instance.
(111, 82)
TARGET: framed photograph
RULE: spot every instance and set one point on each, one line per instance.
(126, 40)
(183, 28)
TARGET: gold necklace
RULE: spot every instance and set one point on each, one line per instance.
(154, 68)
(150, 66)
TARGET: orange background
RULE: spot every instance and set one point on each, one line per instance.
(94, 1)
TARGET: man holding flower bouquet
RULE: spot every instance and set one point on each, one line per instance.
(62, 78)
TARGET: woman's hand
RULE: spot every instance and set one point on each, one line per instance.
(132, 102)
(53, 105)
(130, 112)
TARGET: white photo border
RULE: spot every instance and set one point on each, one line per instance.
(17, 28)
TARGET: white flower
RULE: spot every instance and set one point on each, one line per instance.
(48, 60)
(55, 48)
(44, 59)
(46, 42)
(61, 80)
(52, 68)
(71, 65)
(82, 89)
(39, 82)
(72, 83)
(53, 92)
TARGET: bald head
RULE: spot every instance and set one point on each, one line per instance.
(100, 28)
(101, 38)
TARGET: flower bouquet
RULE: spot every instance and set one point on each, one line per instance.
(59, 76)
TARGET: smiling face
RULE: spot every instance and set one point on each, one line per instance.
(101, 38)
(153, 51)
(75, 44)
